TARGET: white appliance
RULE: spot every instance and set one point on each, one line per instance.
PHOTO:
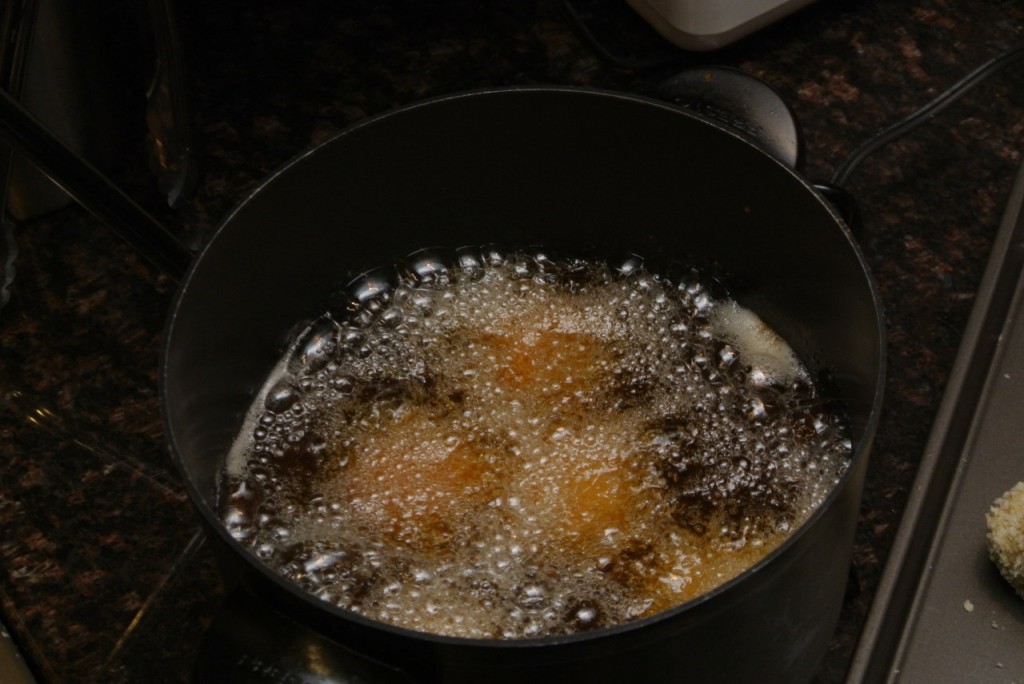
(711, 24)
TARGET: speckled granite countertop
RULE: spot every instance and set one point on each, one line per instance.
(103, 573)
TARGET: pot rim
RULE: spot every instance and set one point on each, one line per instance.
(860, 453)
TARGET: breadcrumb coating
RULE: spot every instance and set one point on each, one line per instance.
(1005, 521)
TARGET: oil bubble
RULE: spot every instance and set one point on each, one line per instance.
(281, 397)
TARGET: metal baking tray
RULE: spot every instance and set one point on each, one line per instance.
(942, 612)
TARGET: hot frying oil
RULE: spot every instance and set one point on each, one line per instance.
(508, 446)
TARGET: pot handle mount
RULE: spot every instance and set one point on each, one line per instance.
(748, 106)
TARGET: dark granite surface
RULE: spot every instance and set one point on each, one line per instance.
(103, 573)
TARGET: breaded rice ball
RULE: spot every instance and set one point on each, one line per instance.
(1006, 536)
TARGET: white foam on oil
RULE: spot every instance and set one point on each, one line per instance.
(761, 346)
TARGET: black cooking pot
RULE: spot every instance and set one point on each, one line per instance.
(568, 169)
(572, 170)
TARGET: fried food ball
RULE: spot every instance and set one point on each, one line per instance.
(418, 482)
(542, 352)
(545, 361)
(1005, 522)
(584, 490)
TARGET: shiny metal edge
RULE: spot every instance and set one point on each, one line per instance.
(884, 635)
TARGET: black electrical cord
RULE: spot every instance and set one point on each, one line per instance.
(948, 97)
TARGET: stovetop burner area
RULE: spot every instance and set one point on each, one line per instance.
(251, 642)
(104, 572)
